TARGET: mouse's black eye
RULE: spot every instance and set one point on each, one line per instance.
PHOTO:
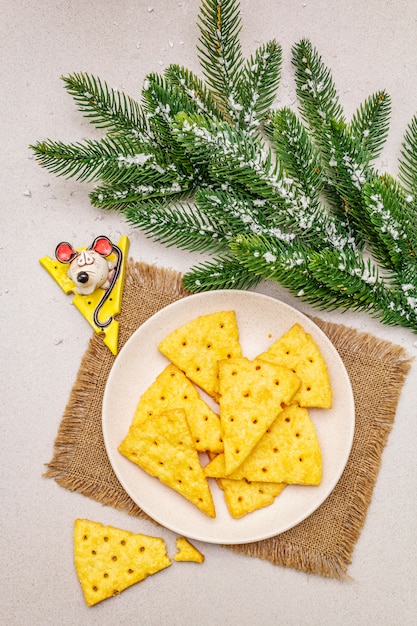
(82, 277)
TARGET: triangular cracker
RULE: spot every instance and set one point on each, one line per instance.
(289, 452)
(163, 447)
(197, 346)
(297, 350)
(108, 559)
(251, 395)
(243, 497)
(172, 390)
(187, 552)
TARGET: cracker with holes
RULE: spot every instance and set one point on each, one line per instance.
(297, 350)
(289, 452)
(108, 559)
(172, 390)
(162, 446)
(187, 552)
(197, 346)
(251, 395)
(243, 496)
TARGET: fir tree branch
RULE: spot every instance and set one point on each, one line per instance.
(176, 224)
(408, 159)
(367, 290)
(390, 225)
(296, 204)
(370, 123)
(105, 107)
(287, 264)
(296, 152)
(163, 102)
(233, 157)
(329, 279)
(117, 196)
(238, 214)
(261, 75)
(223, 272)
(347, 170)
(220, 53)
(115, 158)
(316, 92)
(345, 151)
(193, 88)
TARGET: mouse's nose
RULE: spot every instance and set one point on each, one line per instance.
(82, 277)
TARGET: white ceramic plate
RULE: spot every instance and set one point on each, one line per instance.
(261, 319)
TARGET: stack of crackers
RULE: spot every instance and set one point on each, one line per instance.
(259, 439)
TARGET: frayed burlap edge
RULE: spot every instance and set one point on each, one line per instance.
(60, 468)
(93, 371)
(283, 549)
(167, 281)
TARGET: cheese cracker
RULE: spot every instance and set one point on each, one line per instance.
(197, 346)
(289, 452)
(297, 350)
(251, 395)
(162, 446)
(172, 390)
(108, 559)
(243, 497)
(187, 552)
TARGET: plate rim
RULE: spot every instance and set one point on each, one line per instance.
(176, 527)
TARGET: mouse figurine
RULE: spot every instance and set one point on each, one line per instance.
(89, 269)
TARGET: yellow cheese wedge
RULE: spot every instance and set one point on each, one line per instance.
(87, 304)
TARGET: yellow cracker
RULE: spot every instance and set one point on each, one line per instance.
(243, 497)
(172, 390)
(198, 345)
(187, 552)
(289, 452)
(297, 350)
(108, 559)
(163, 447)
(251, 395)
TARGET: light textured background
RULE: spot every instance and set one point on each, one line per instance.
(369, 46)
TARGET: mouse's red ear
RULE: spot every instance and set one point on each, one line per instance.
(64, 252)
(102, 245)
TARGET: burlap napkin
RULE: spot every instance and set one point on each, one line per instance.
(322, 544)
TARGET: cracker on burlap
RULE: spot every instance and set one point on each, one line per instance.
(108, 559)
(297, 350)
